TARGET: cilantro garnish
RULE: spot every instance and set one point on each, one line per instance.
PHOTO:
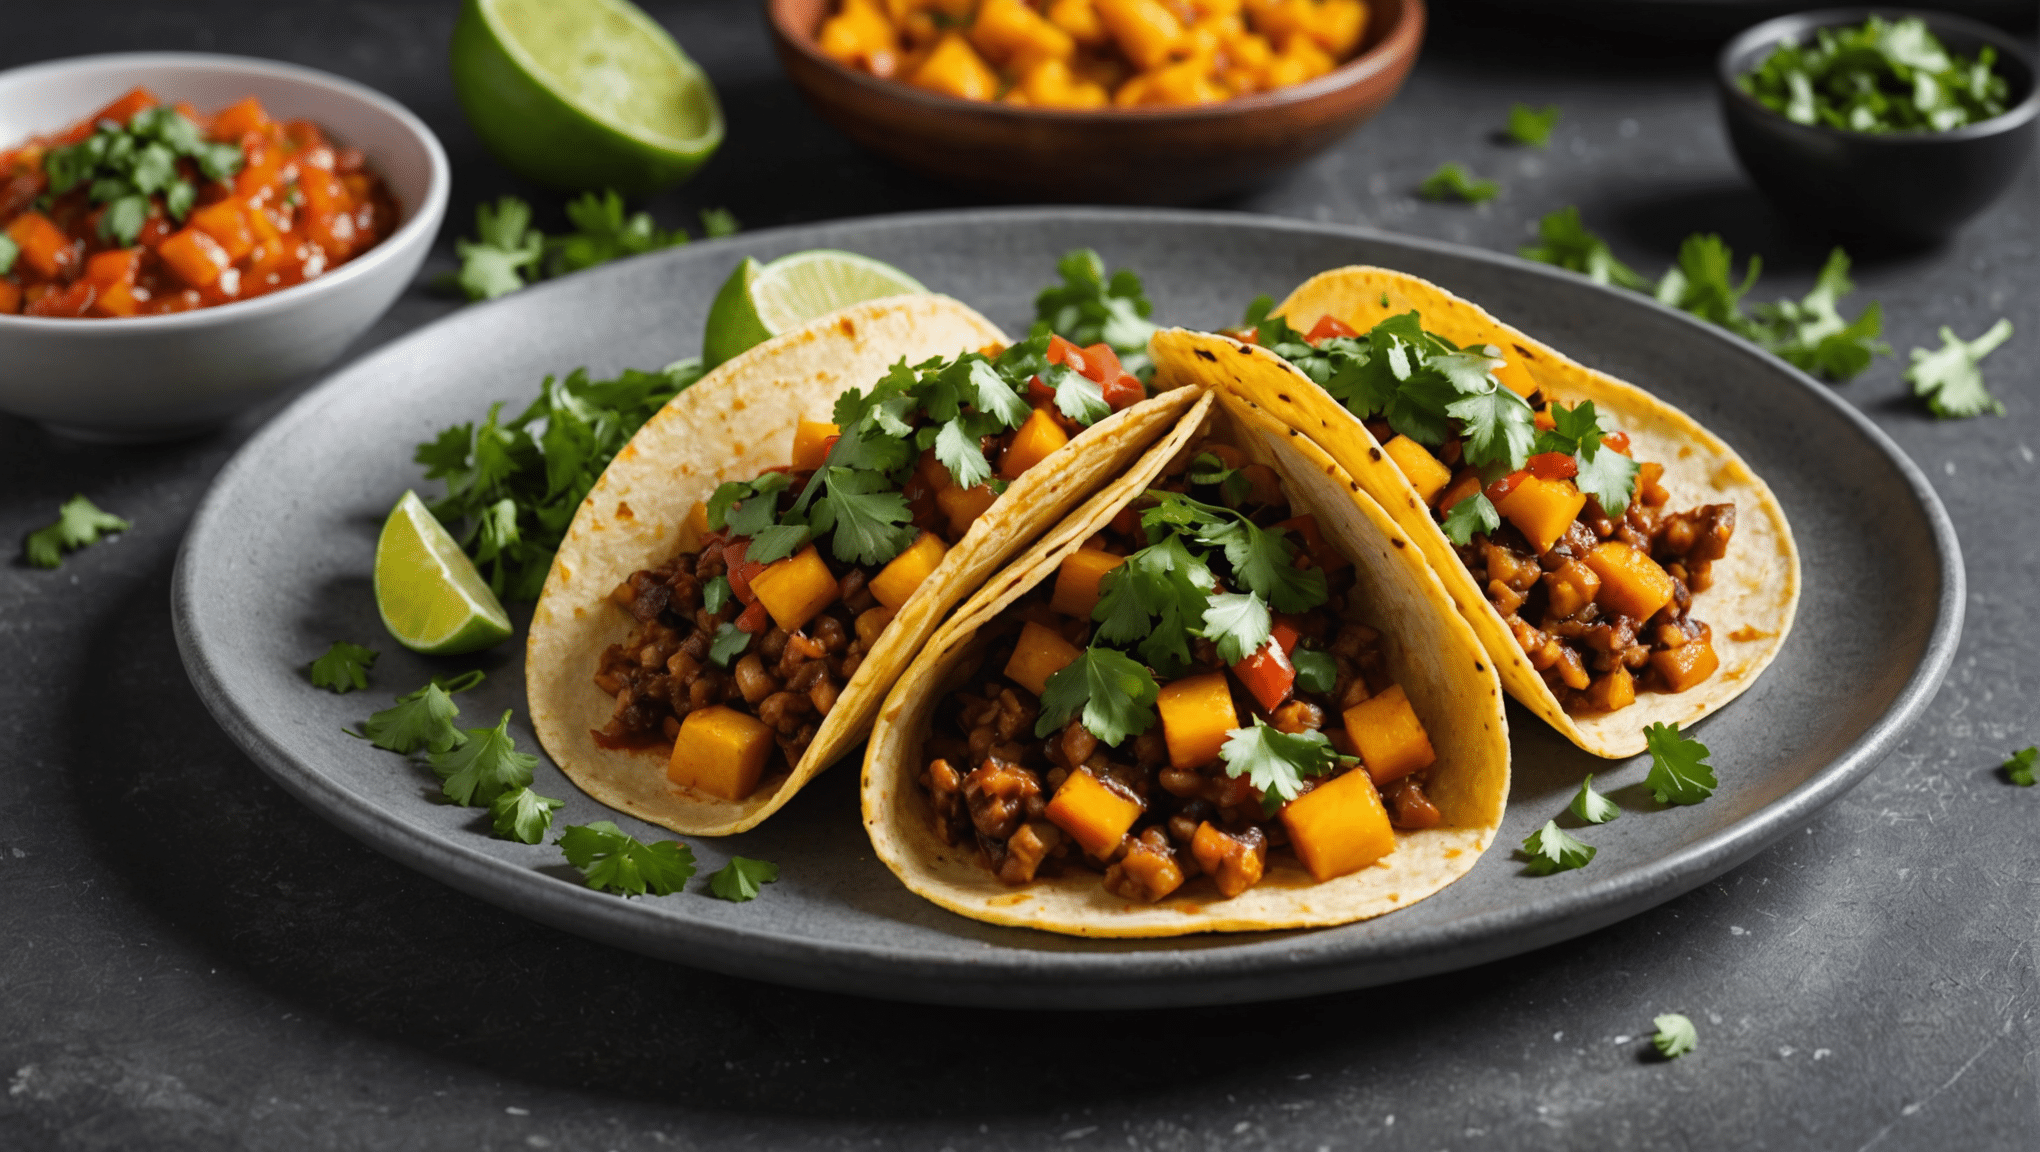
(1087, 308)
(1811, 334)
(1454, 182)
(1564, 241)
(868, 517)
(1609, 477)
(521, 814)
(128, 164)
(1315, 671)
(344, 667)
(730, 642)
(1881, 76)
(739, 880)
(505, 254)
(79, 524)
(614, 862)
(1529, 126)
(9, 250)
(1591, 806)
(483, 766)
(603, 233)
(1276, 762)
(1679, 773)
(1239, 622)
(1703, 281)
(1077, 396)
(1475, 514)
(1114, 695)
(1156, 598)
(1949, 377)
(1675, 1036)
(422, 719)
(717, 223)
(1551, 850)
(716, 593)
(2019, 766)
(1208, 469)
(508, 253)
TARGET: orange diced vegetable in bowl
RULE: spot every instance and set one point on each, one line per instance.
(955, 69)
(1197, 712)
(896, 582)
(1095, 815)
(44, 247)
(227, 223)
(1541, 509)
(1077, 581)
(195, 257)
(1038, 654)
(720, 751)
(1631, 582)
(1339, 827)
(795, 589)
(1390, 738)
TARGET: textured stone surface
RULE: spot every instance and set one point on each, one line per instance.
(189, 959)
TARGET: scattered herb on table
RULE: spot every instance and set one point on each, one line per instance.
(603, 233)
(1881, 76)
(1591, 806)
(1529, 126)
(484, 765)
(1563, 240)
(717, 223)
(523, 815)
(1551, 849)
(1675, 1035)
(739, 880)
(506, 250)
(2019, 766)
(614, 862)
(1088, 308)
(422, 719)
(123, 166)
(1950, 378)
(1454, 182)
(79, 524)
(344, 667)
(1679, 772)
(508, 253)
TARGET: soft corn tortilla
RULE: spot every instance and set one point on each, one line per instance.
(1755, 592)
(733, 424)
(1431, 651)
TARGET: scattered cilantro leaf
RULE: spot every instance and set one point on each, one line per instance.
(730, 642)
(1276, 762)
(2019, 766)
(79, 524)
(1591, 806)
(1675, 1036)
(1679, 773)
(717, 223)
(603, 233)
(994, 396)
(521, 814)
(1315, 671)
(507, 254)
(1811, 334)
(1551, 850)
(1454, 182)
(959, 451)
(484, 766)
(1113, 694)
(421, 719)
(1088, 308)
(776, 542)
(1238, 622)
(1949, 377)
(1529, 126)
(739, 880)
(1564, 241)
(1703, 282)
(614, 862)
(1473, 515)
(344, 667)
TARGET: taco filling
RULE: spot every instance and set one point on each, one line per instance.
(741, 643)
(1196, 688)
(1569, 536)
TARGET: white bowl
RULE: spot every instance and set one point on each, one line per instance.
(157, 377)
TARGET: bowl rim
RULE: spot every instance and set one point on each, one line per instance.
(1402, 39)
(1777, 28)
(426, 214)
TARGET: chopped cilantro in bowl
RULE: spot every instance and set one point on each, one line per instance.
(1879, 76)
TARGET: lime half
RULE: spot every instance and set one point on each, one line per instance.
(583, 94)
(759, 301)
(431, 598)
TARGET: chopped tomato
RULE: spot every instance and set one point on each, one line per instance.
(1268, 674)
(1507, 484)
(1124, 391)
(1101, 363)
(755, 618)
(1327, 327)
(1619, 441)
(1554, 466)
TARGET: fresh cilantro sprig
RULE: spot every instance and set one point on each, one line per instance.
(740, 879)
(1675, 1035)
(2018, 767)
(80, 524)
(523, 815)
(508, 253)
(603, 233)
(422, 719)
(126, 164)
(1551, 849)
(1470, 517)
(505, 253)
(1530, 127)
(1112, 693)
(1088, 308)
(1563, 240)
(344, 667)
(1679, 772)
(1454, 182)
(612, 861)
(1950, 378)
(1276, 762)
(1606, 475)
(1591, 806)
(1811, 334)
(483, 766)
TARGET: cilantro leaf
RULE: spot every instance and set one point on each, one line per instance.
(776, 542)
(1610, 478)
(484, 766)
(1675, 1036)
(1551, 850)
(1811, 333)
(1500, 427)
(9, 250)
(1315, 671)
(1265, 562)
(344, 667)
(614, 862)
(1088, 308)
(1239, 622)
(959, 451)
(1276, 762)
(128, 164)
(1077, 396)
(717, 223)
(2019, 767)
(79, 524)
(1529, 126)
(521, 814)
(993, 396)
(870, 521)
(1475, 514)
(1679, 773)
(1879, 76)
(1949, 377)
(739, 880)
(603, 233)
(421, 719)
(1591, 806)
(507, 253)
(1565, 242)
(716, 593)
(1114, 695)
(1453, 182)
(1703, 282)
(730, 642)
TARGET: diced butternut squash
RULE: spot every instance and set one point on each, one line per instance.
(812, 440)
(1391, 740)
(1049, 83)
(1339, 827)
(1197, 713)
(1010, 30)
(1466, 484)
(114, 266)
(795, 589)
(720, 751)
(1037, 436)
(1423, 470)
(1094, 814)
(44, 247)
(1631, 582)
(955, 69)
(963, 506)
(1079, 18)
(227, 223)
(1686, 665)
(1145, 29)
(859, 35)
(195, 257)
(118, 300)
(1078, 579)
(1612, 690)
(1542, 509)
(10, 297)
(1570, 588)
(896, 582)
(1038, 654)
(232, 122)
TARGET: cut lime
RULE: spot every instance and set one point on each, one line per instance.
(759, 301)
(431, 598)
(583, 94)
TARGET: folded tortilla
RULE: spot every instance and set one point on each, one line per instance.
(1431, 651)
(1755, 592)
(733, 424)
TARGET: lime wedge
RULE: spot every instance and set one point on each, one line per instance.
(431, 598)
(583, 94)
(759, 301)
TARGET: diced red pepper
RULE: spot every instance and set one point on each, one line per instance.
(1061, 351)
(1102, 363)
(754, 619)
(1619, 441)
(1507, 484)
(1328, 327)
(1039, 394)
(1268, 674)
(1554, 466)
(1124, 391)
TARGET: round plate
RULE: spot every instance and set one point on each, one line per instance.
(277, 566)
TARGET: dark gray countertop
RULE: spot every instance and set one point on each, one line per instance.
(189, 959)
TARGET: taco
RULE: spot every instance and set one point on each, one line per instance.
(1621, 564)
(752, 571)
(1224, 695)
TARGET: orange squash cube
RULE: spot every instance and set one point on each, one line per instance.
(955, 69)
(44, 247)
(1339, 827)
(1612, 690)
(1423, 470)
(895, 583)
(1038, 436)
(1686, 665)
(1009, 30)
(115, 266)
(118, 300)
(1197, 714)
(964, 505)
(227, 223)
(812, 440)
(232, 122)
(1038, 654)
(195, 257)
(1095, 815)
(795, 589)
(1146, 29)
(720, 751)
(1631, 582)
(1079, 18)
(1542, 509)
(1391, 740)
(10, 297)
(1077, 581)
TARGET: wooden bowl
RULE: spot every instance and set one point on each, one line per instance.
(1112, 155)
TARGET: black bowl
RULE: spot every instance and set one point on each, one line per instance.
(1902, 186)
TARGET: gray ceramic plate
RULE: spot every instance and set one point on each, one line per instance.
(277, 566)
